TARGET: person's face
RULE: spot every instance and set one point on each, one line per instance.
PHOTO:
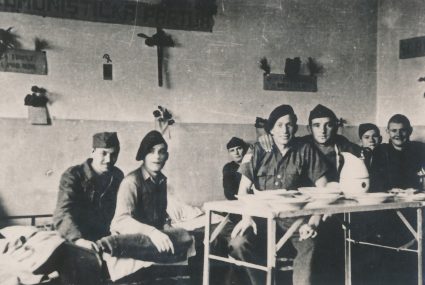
(371, 139)
(155, 160)
(284, 130)
(104, 159)
(323, 129)
(399, 134)
(236, 153)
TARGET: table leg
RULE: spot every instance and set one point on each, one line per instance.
(271, 250)
(347, 244)
(420, 245)
(206, 275)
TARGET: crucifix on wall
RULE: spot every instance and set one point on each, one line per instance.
(161, 40)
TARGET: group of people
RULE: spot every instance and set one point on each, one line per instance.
(280, 160)
(100, 210)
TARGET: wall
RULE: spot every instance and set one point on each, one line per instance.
(398, 88)
(213, 87)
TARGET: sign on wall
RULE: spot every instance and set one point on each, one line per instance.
(194, 15)
(413, 47)
(24, 61)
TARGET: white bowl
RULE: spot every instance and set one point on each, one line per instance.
(313, 191)
(288, 204)
(373, 198)
(278, 192)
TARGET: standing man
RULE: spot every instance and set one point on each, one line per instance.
(289, 165)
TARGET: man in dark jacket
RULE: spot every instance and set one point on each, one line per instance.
(87, 194)
(85, 208)
(231, 177)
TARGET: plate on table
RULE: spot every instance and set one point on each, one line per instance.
(278, 192)
(373, 198)
(323, 199)
(288, 204)
(314, 191)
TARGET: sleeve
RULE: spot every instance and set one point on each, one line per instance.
(124, 221)
(231, 181)
(249, 162)
(66, 207)
(378, 170)
(316, 166)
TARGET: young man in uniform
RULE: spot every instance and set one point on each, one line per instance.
(85, 207)
(139, 228)
(289, 165)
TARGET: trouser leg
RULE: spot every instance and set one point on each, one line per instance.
(140, 246)
(79, 266)
(249, 248)
(303, 262)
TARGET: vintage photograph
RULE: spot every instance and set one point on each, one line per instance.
(212, 142)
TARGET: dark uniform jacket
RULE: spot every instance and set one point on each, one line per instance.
(231, 180)
(392, 168)
(82, 211)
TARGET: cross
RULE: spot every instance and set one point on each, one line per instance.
(160, 40)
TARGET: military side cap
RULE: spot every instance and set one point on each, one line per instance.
(105, 140)
(321, 111)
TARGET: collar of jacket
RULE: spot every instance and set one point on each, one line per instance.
(146, 176)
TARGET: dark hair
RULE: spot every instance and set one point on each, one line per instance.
(400, 119)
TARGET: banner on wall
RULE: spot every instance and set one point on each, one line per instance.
(194, 15)
(24, 61)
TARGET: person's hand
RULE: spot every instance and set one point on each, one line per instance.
(307, 231)
(266, 142)
(87, 244)
(243, 225)
(161, 241)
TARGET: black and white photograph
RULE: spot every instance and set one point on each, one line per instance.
(212, 142)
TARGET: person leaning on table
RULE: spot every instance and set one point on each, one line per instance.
(289, 165)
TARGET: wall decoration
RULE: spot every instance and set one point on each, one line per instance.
(413, 47)
(161, 40)
(38, 114)
(163, 119)
(8, 40)
(191, 15)
(13, 59)
(107, 68)
(292, 80)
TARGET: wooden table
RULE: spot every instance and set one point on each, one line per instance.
(346, 207)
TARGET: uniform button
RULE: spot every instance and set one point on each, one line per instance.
(279, 176)
(276, 183)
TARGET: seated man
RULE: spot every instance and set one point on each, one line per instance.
(85, 207)
(323, 126)
(140, 214)
(397, 164)
(289, 165)
(370, 137)
(231, 177)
